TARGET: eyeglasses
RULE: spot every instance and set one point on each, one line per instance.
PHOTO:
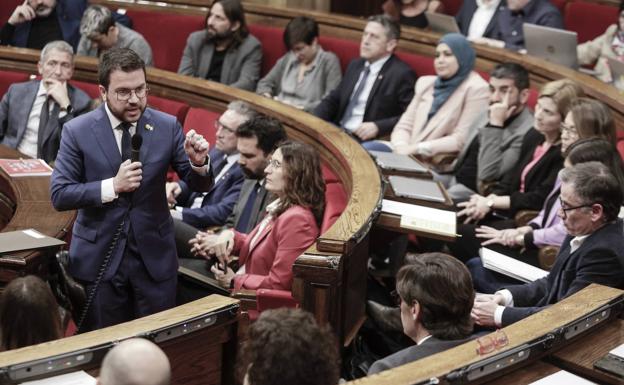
(123, 95)
(565, 209)
(571, 131)
(220, 126)
(487, 344)
(275, 163)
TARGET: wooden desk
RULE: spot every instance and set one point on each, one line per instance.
(580, 356)
(25, 203)
(527, 374)
(197, 355)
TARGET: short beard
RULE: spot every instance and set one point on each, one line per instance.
(219, 37)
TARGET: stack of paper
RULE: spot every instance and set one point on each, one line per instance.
(510, 267)
(75, 378)
(562, 378)
(425, 219)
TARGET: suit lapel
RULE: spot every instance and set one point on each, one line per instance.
(353, 78)
(54, 116)
(205, 57)
(147, 129)
(377, 83)
(263, 234)
(103, 133)
(30, 95)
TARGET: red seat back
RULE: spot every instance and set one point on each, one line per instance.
(173, 107)
(578, 14)
(335, 198)
(422, 65)
(166, 33)
(90, 88)
(346, 50)
(202, 121)
(451, 7)
(9, 77)
(620, 142)
(533, 95)
(6, 9)
(272, 45)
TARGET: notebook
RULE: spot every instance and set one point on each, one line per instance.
(439, 22)
(412, 188)
(551, 44)
(398, 162)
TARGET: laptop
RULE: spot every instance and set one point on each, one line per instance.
(442, 23)
(551, 44)
(397, 162)
(427, 190)
(617, 70)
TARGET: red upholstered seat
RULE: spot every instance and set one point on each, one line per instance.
(423, 65)
(9, 77)
(346, 50)
(202, 121)
(589, 20)
(620, 142)
(6, 9)
(451, 7)
(166, 35)
(560, 4)
(91, 89)
(173, 107)
(272, 45)
(533, 95)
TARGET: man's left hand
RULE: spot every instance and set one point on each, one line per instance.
(367, 131)
(196, 147)
(483, 311)
(58, 91)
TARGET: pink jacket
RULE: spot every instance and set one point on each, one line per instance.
(448, 128)
(268, 265)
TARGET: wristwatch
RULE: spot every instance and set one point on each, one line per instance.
(201, 165)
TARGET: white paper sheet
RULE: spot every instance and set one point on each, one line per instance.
(619, 351)
(562, 378)
(422, 218)
(75, 378)
(510, 267)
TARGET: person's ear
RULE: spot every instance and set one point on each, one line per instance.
(235, 26)
(415, 311)
(391, 45)
(524, 96)
(103, 92)
(597, 212)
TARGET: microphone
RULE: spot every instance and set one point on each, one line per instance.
(137, 141)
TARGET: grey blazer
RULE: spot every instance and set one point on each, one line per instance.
(430, 346)
(262, 200)
(15, 108)
(127, 38)
(241, 65)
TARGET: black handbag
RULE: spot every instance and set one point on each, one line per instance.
(69, 294)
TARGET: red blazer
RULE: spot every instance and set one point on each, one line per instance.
(268, 265)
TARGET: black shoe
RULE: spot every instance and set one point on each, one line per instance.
(386, 317)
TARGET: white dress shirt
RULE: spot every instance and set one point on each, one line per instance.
(482, 17)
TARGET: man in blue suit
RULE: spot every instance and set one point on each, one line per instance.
(196, 211)
(122, 206)
(35, 23)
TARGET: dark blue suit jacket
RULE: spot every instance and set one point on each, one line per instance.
(220, 200)
(391, 94)
(88, 155)
(68, 12)
(600, 259)
(466, 12)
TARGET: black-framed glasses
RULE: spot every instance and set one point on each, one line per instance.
(571, 131)
(565, 209)
(123, 95)
(220, 126)
(274, 163)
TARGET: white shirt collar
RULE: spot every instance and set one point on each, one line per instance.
(271, 207)
(423, 339)
(376, 66)
(576, 242)
(491, 5)
(113, 119)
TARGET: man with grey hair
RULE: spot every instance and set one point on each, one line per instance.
(32, 113)
(100, 32)
(193, 211)
(375, 89)
(136, 361)
(593, 251)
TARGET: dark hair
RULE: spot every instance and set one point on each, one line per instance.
(621, 8)
(286, 346)
(598, 150)
(442, 286)
(595, 184)
(301, 29)
(29, 314)
(512, 71)
(233, 10)
(592, 119)
(304, 183)
(392, 27)
(118, 59)
(269, 132)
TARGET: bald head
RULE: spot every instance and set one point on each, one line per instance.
(136, 361)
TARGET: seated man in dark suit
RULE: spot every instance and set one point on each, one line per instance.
(593, 252)
(32, 113)
(436, 297)
(375, 89)
(195, 211)
(479, 18)
(35, 23)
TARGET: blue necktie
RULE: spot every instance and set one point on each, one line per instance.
(242, 226)
(355, 97)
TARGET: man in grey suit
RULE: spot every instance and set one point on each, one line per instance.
(100, 32)
(32, 113)
(436, 296)
(493, 146)
(224, 52)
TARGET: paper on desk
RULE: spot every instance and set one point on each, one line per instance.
(510, 267)
(75, 378)
(562, 378)
(422, 218)
(619, 351)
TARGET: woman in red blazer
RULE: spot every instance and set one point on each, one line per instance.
(291, 225)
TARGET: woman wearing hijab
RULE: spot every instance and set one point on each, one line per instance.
(444, 106)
